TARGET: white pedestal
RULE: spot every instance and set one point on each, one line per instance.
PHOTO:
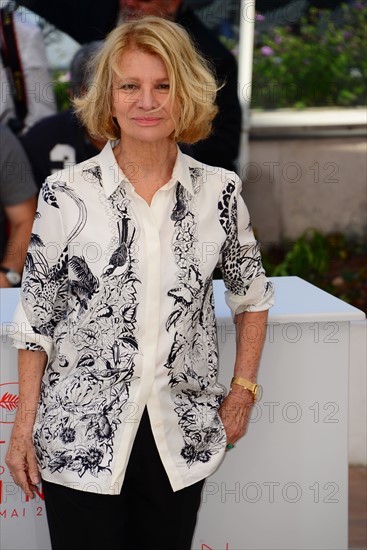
(285, 485)
(23, 524)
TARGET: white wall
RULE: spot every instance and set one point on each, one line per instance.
(357, 438)
(308, 169)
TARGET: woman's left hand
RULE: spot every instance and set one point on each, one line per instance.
(235, 413)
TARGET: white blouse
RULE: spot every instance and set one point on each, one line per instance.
(119, 295)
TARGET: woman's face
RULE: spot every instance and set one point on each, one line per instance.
(143, 88)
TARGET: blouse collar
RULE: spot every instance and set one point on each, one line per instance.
(113, 176)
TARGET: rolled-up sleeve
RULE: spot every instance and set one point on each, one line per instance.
(44, 289)
(248, 288)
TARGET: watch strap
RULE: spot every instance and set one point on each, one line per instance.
(246, 384)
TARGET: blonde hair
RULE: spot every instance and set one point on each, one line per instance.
(191, 79)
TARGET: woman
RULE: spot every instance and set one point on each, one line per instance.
(118, 352)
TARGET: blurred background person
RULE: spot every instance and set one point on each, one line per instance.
(26, 92)
(18, 198)
(59, 141)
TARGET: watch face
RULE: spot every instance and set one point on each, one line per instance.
(258, 393)
(13, 277)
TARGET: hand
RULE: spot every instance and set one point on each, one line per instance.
(21, 461)
(235, 413)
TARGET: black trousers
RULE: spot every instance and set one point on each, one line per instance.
(146, 515)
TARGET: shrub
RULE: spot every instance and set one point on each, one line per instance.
(333, 262)
(324, 63)
(61, 87)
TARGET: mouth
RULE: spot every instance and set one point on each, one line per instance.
(147, 121)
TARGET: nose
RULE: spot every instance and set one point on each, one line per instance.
(145, 99)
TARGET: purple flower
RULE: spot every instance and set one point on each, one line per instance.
(64, 77)
(259, 17)
(267, 51)
(347, 35)
(278, 39)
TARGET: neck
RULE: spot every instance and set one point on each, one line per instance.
(148, 166)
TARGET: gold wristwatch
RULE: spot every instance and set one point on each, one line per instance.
(255, 389)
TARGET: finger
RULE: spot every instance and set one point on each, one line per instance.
(21, 479)
(33, 473)
(27, 489)
(19, 475)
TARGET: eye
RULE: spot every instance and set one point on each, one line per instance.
(163, 87)
(128, 87)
